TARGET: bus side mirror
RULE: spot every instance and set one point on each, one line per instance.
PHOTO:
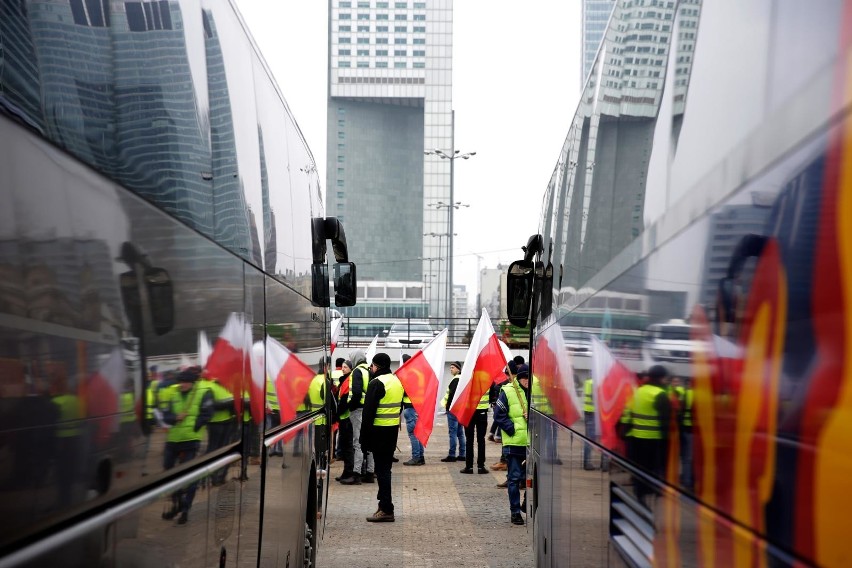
(160, 294)
(319, 285)
(545, 292)
(345, 284)
(519, 292)
(161, 303)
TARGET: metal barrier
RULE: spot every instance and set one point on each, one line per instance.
(360, 331)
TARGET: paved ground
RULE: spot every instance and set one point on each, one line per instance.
(443, 518)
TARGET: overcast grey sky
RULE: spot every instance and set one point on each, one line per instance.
(516, 83)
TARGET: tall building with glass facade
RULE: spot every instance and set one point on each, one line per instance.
(389, 99)
(595, 16)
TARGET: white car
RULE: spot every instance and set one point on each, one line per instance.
(409, 334)
(670, 342)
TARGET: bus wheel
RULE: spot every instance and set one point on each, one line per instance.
(309, 546)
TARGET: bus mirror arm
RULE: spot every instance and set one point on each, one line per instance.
(533, 247)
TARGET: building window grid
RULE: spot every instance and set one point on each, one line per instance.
(397, 64)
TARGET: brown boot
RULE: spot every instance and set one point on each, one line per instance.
(380, 517)
(499, 466)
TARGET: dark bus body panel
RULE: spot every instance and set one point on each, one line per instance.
(150, 196)
(704, 186)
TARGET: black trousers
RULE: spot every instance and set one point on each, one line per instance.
(479, 422)
(650, 455)
(347, 449)
(384, 463)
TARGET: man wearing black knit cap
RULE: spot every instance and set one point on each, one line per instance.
(382, 407)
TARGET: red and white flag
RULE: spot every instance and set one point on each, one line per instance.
(257, 393)
(204, 348)
(420, 377)
(229, 361)
(507, 353)
(292, 377)
(336, 326)
(614, 385)
(104, 390)
(371, 350)
(483, 363)
(553, 374)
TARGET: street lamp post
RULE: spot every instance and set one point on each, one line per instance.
(432, 274)
(440, 251)
(452, 156)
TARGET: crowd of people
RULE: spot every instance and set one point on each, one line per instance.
(369, 406)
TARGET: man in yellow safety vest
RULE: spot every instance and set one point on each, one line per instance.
(380, 428)
(511, 412)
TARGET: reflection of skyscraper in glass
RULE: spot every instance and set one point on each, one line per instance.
(270, 248)
(113, 84)
(727, 228)
(77, 99)
(163, 151)
(254, 256)
(19, 82)
(686, 29)
(603, 169)
(595, 15)
(229, 207)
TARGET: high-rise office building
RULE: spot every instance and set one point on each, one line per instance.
(595, 16)
(389, 100)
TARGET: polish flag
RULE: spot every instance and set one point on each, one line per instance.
(483, 363)
(614, 385)
(554, 374)
(336, 326)
(371, 350)
(420, 377)
(507, 353)
(229, 360)
(257, 389)
(292, 378)
(103, 391)
(204, 348)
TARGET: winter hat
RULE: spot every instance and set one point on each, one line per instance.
(189, 375)
(381, 360)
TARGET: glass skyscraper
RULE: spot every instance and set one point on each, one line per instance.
(389, 99)
(595, 16)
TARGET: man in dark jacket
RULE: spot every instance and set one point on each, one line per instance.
(380, 428)
(359, 378)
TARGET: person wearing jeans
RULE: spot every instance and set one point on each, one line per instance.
(511, 412)
(456, 430)
(410, 415)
